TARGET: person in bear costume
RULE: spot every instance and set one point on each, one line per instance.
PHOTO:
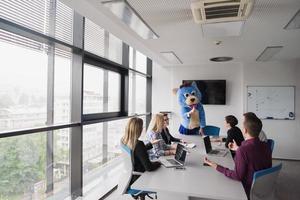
(192, 111)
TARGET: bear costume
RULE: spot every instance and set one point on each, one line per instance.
(192, 111)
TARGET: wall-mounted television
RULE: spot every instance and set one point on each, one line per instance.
(213, 91)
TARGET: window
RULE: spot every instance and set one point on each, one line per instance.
(23, 163)
(23, 84)
(137, 94)
(62, 87)
(114, 91)
(94, 38)
(115, 49)
(141, 62)
(38, 89)
(37, 16)
(137, 61)
(93, 89)
(102, 90)
(23, 94)
(101, 161)
(101, 43)
(92, 156)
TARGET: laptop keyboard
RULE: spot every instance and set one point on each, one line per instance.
(214, 152)
(172, 161)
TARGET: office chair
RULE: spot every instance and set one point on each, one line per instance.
(211, 130)
(263, 183)
(127, 173)
(271, 143)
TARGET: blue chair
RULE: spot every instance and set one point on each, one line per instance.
(263, 184)
(211, 130)
(127, 173)
(271, 143)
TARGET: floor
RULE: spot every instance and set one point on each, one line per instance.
(288, 184)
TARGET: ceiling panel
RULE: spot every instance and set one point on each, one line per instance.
(172, 20)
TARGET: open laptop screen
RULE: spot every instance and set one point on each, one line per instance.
(180, 154)
(207, 144)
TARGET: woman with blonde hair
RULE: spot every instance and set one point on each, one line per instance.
(154, 133)
(141, 159)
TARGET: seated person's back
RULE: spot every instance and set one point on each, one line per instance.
(141, 161)
(256, 156)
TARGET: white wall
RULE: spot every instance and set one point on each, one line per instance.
(167, 78)
(285, 133)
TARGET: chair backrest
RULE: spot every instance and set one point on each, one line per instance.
(211, 130)
(126, 174)
(271, 144)
(263, 184)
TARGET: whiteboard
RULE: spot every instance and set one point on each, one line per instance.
(270, 102)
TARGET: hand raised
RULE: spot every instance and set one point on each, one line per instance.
(233, 146)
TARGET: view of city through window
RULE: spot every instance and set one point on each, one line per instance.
(34, 95)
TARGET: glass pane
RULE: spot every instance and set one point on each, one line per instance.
(92, 155)
(23, 166)
(101, 156)
(64, 23)
(141, 62)
(116, 132)
(36, 16)
(94, 38)
(23, 87)
(114, 91)
(92, 89)
(62, 88)
(115, 49)
(131, 63)
(137, 94)
(141, 94)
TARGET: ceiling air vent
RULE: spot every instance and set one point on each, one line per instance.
(212, 11)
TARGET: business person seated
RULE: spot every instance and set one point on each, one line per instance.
(262, 135)
(141, 159)
(251, 156)
(234, 134)
(165, 134)
(154, 133)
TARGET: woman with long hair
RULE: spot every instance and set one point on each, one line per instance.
(141, 159)
(154, 133)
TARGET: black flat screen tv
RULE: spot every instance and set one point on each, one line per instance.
(213, 91)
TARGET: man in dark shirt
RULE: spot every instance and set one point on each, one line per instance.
(253, 155)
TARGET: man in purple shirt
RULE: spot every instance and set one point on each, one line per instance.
(253, 155)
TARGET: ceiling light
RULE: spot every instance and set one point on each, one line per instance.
(124, 11)
(172, 57)
(221, 59)
(268, 53)
(294, 23)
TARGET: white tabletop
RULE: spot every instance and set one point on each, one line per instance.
(197, 180)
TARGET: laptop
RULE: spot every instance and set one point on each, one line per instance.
(210, 151)
(179, 159)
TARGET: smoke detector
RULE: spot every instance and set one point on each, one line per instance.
(214, 11)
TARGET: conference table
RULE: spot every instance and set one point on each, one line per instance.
(196, 181)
